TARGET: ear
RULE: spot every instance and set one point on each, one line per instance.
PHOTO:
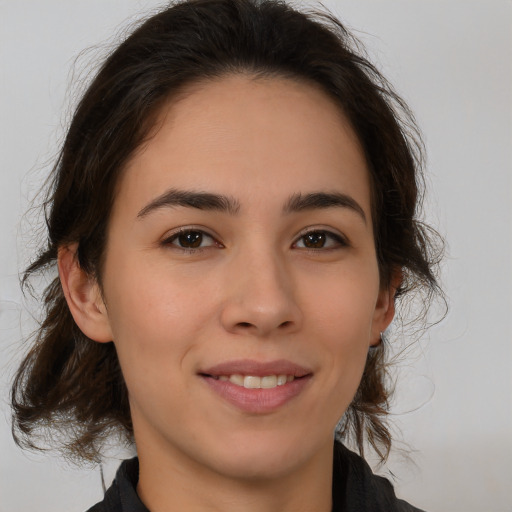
(385, 308)
(83, 296)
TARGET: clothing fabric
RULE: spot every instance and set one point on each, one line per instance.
(355, 488)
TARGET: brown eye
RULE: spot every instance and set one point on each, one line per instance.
(320, 240)
(190, 239)
(314, 240)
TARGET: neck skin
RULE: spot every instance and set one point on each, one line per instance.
(169, 481)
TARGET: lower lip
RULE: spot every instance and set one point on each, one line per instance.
(258, 401)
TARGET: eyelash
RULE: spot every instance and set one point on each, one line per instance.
(169, 241)
(339, 240)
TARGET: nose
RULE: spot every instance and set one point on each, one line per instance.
(261, 296)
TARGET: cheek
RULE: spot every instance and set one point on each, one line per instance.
(154, 319)
(341, 322)
(343, 304)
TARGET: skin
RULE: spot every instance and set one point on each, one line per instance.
(253, 290)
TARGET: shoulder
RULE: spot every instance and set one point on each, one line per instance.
(356, 488)
(121, 496)
(111, 501)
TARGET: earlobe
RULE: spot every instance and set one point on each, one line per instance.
(83, 296)
(385, 309)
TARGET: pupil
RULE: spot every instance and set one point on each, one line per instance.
(191, 239)
(314, 240)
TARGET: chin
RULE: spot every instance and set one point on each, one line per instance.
(257, 468)
(261, 457)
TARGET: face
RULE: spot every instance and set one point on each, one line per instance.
(240, 282)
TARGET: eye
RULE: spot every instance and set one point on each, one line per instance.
(319, 239)
(191, 239)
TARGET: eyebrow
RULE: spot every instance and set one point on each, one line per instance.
(192, 199)
(217, 202)
(321, 200)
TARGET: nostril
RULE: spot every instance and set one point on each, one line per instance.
(244, 324)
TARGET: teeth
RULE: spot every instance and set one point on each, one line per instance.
(254, 382)
(251, 382)
(269, 381)
(281, 379)
(237, 379)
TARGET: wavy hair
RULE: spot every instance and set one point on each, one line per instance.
(69, 384)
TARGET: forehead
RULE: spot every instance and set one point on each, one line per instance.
(245, 137)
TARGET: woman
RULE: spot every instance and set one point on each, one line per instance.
(233, 217)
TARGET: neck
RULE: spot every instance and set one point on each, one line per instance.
(170, 481)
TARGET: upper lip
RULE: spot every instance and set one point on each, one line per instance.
(256, 368)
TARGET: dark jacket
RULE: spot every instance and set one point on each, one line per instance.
(355, 488)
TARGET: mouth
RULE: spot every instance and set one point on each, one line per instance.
(255, 381)
(257, 387)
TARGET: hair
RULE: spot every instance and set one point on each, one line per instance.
(70, 384)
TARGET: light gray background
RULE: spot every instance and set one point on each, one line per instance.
(452, 61)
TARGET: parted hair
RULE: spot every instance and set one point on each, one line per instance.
(70, 387)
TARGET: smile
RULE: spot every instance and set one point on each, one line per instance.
(256, 382)
(257, 387)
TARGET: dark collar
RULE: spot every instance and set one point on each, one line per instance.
(355, 488)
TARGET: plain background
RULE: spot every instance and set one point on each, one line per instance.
(452, 61)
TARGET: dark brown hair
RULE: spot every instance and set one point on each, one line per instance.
(72, 385)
